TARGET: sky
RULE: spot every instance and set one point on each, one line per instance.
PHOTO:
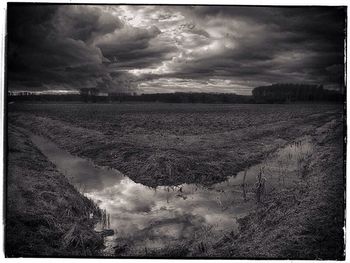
(158, 49)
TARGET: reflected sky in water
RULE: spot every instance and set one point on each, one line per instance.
(158, 217)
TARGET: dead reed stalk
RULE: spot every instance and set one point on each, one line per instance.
(244, 186)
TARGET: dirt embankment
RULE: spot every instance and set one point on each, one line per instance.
(45, 215)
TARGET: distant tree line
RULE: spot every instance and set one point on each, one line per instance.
(29, 97)
(182, 97)
(276, 93)
(95, 97)
(286, 93)
(89, 94)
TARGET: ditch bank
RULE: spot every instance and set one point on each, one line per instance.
(45, 214)
(188, 220)
(303, 221)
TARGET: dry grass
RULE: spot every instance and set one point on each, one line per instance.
(304, 221)
(45, 215)
(165, 144)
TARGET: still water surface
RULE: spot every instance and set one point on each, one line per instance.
(152, 218)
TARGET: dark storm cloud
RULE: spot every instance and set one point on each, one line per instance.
(134, 47)
(213, 47)
(270, 44)
(85, 23)
(53, 45)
